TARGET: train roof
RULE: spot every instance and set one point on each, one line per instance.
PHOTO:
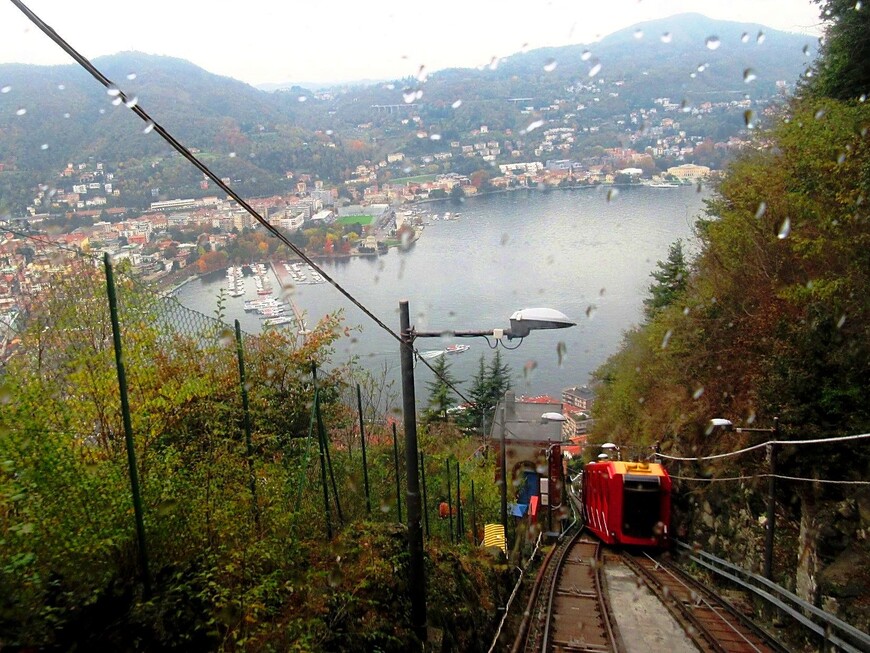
(632, 467)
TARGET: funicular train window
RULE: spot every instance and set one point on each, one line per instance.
(640, 505)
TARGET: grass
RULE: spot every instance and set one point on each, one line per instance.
(420, 178)
(364, 220)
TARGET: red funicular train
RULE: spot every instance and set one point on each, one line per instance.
(627, 503)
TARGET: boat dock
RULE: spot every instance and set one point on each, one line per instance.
(285, 280)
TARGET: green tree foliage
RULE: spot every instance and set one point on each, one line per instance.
(842, 71)
(441, 394)
(671, 279)
(487, 389)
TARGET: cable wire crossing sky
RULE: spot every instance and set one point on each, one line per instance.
(260, 41)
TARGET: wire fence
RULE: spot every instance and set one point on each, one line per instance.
(143, 441)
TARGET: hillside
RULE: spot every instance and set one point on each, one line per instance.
(71, 114)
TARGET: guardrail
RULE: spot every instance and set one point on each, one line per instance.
(830, 630)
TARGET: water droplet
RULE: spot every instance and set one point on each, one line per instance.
(819, 114)
(596, 68)
(435, 137)
(702, 67)
(667, 338)
(586, 55)
(806, 50)
(113, 91)
(44, 146)
(534, 125)
(409, 95)
(529, 369)
(693, 75)
(858, 5)
(698, 393)
(21, 111)
(561, 351)
(226, 338)
(686, 106)
(760, 38)
(841, 158)
(712, 42)
(686, 310)
(456, 104)
(841, 321)
(302, 98)
(784, 229)
(149, 127)
(117, 101)
(612, 194)
(232, 155)
(493, 63)
(550, 65)
(762, 207)
(590, 311)
(5, 89)
(862, 98)
(667, 37)
(102, 111)
(638, 33)
(421, 74)
(749, 75)
(131, 102)
(744, 38)
(66, 115)
(749, 118)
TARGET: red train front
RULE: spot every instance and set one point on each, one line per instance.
(627, 502)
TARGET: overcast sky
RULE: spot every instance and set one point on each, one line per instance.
(260, 41)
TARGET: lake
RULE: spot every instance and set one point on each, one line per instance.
(573, 250)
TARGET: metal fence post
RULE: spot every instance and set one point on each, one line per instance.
(425, 499)
(128, 426)
(449, 500)
(362, 439)
(246, 415)
(398, 477)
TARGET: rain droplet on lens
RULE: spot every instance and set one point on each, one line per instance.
(232, 155)
(841, 158)
(21, 111)
(131, 102)
(667, 37)
(760, 38)
(302, 98)
(409, 95)
(534, 125)
(149, 127)
(590, 311)
(712, 42)
(595, 69)
(561, 350)
(638, 33)
(5, 89)
(102, 111)
(44, 146)
(529, 368)
(702, 67)
(66, 115)
(493, 63)
(612, 194)
(667, 338)
(744, 38)
(749, 75)
(819, 114)
(113, 91)
(749, 118)
(586, 55)
(841, 321)
(858, 5)
(686, 106)
(806, 50)
(456, 104)
(421, 73)
(784, 229)
(698, 393)
(550, 65)
(504, 238)
(131, 76)
(117, 101)
(762, 207)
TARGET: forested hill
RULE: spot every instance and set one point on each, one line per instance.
(70, 113)
(771, 320)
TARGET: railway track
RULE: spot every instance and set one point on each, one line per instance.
(568, 611)
(710, 622)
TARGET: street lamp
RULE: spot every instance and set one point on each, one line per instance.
(521, 324)
(609, 446)
(771, 483)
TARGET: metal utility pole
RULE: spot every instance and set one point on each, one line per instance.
(416, 568)
(771, 504)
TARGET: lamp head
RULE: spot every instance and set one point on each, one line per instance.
(609, 446)
(603, 456)
(723, 423)
(553, 417)
(532, 319)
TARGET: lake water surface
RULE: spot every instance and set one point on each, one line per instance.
(572, 250)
